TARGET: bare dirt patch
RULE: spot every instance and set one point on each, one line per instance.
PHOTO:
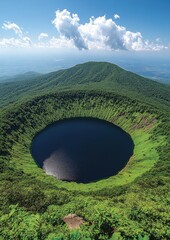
(73, 221)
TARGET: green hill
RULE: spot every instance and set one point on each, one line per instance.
(133, 204)
(19, 77)
(92, 75)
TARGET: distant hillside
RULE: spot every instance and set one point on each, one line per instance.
(19, 77)
(92, 76)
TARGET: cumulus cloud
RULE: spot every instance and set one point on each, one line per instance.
(21, 41)
(100, 33)
(67, 25)
(12, 26)
(116, 16)
(25, 42)
(42, 36)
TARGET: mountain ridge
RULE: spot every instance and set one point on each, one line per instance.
(101, 76)
(19, 77)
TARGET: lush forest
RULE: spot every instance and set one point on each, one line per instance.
(97, 76)
(134, 204)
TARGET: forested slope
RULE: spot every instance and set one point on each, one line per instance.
(132, 205)
(91, 75)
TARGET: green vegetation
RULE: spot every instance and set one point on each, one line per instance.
(20, 77)
(96, 76)
(134, 204)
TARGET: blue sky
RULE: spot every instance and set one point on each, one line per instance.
(85, 28)
(147, 16)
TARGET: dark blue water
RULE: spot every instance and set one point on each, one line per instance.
(82, 149)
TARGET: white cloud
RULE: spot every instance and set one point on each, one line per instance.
(133, 41)
(54, 42)
(21, 41)
(100, 33)
(12, 26)
(67, 25)
(42, 35)
(116, 16)
(25, 42)
(60, 43)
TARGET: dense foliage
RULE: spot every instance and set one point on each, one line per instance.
(91, 75)
(134, 204)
